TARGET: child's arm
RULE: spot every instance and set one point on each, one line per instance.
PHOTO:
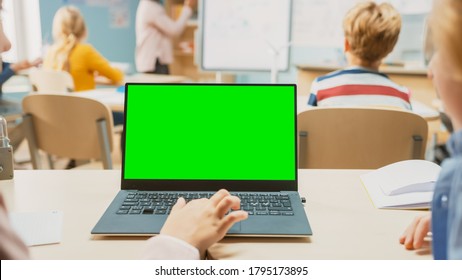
(200, 223)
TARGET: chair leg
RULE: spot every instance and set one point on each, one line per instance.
(50, 162)
(303, 149)
(104, 144)
(29, 132)
(417, 147)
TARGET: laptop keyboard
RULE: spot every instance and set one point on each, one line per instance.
(156, 203)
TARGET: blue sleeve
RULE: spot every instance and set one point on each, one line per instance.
(6, 73)
(312, 101)
(455, 214)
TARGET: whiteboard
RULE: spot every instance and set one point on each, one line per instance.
(239, 35)
(319, 23)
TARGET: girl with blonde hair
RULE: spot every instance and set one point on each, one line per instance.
(70, 54)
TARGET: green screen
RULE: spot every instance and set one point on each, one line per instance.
(210, 132)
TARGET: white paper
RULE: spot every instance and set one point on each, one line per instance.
(38, 228)
(407, 176)
(402, 185)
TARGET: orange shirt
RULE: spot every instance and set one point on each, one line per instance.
(85, 62)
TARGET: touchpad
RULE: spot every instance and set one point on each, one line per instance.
(236, 228)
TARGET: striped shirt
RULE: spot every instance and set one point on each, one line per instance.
(357, 86)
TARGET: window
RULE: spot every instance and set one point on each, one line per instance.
(21, 21)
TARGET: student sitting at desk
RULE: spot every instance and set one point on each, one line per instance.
(70, 54)
(371, 32)
(445, 221)
(82, 61)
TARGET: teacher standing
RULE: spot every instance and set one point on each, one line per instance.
(154, 33)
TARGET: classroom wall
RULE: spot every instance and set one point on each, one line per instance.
(409, 49)
(115, 43)
(118, 44)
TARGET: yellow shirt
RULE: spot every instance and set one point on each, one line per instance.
(85, 62)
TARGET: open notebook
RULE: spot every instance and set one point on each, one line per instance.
(406, 184)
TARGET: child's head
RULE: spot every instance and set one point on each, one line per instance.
(446, 65)
(371, 31)
(446, 20)
(68, 23)
(68, 29)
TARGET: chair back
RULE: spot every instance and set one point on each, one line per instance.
(68, 126)
(359, 138)
(47, 80)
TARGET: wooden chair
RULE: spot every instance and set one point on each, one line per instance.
(51, 81)
(359, 138)
(68, 126)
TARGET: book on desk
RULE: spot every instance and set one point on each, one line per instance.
(406, 184)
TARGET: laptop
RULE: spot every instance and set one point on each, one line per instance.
(191, 140)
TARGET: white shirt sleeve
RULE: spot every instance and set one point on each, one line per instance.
(165, 247)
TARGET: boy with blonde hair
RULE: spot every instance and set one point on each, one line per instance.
(445, 221)
(371, 31)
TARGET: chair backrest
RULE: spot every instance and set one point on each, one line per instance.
(47, 80)
(359, 138)
(68, 126)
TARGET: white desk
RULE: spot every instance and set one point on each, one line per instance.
(144, 78)
(343, 219)
(109, 96)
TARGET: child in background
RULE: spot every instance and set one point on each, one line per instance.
(445, 221)
(70, 54)
(8, 70)
(371, 32)
(81, 60)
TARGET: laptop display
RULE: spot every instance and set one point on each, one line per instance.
(213, 133)
(190, 140)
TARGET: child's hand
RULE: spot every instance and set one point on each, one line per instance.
(414, 235)
(25, 64)
(203, 222)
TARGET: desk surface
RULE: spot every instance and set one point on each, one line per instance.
(345, 223)
(145, 78)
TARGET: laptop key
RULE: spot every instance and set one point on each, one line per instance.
(129, 203)
(280, 209)
(262, 213)
(148, 210)
(287, 213)
(160, 212)
(122, 212)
